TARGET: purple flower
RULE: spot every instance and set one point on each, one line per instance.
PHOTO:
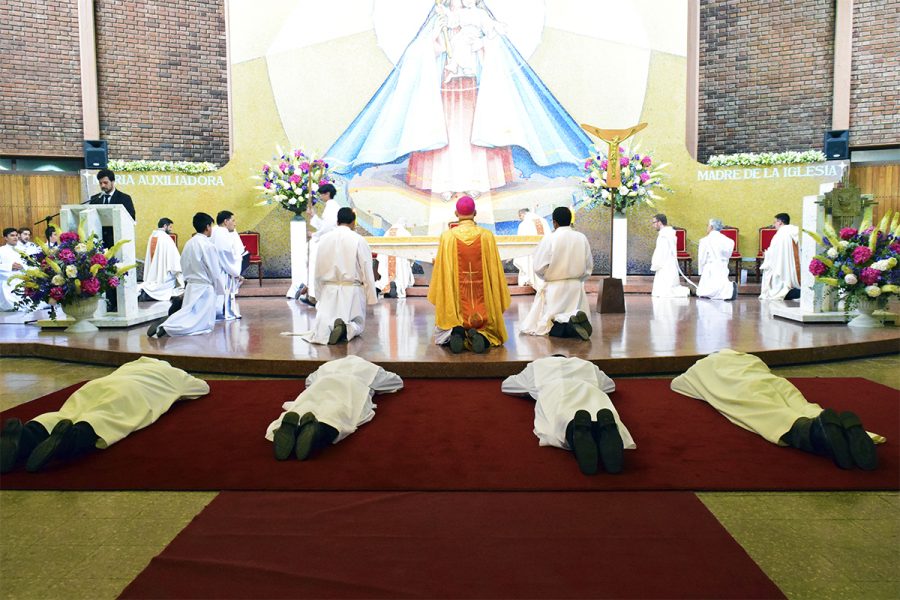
(644, 177)
(817, 267)
(646, 161)
(66, 255)
(623, 161)
(869, 276)
(590, 180)
(90, 285)
(861, 254)
(267, 185)
(848, 233)
(621, 149)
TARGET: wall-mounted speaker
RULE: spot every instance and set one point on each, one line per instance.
(837, 145)
(96, 154)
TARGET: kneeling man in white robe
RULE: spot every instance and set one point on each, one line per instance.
(345, 283)
(665, 262)
(563, 260)
(99, 414)
(530, 223)
(11, 263)
(568, 392)
(203, 277)
(743, 389)
(231, 257)
(395, 274)
(162, 265)
(336, 402)
(781, 264)
(713, 256)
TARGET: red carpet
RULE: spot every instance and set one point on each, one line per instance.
(466, 435)
(453, 545)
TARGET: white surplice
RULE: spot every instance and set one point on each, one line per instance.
(339, 394)
(560, 386)
(713, 256)
(395, 268)
(327, 222)
(9, 256)
(531, 224)
(563, 261)
(345, 283)
(664, 265)
(231, 252)
(29, 248)
(779, 268)
(162, 268)
(202, 275)
(130, 398)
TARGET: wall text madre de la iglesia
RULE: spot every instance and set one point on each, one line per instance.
(823, 170)
(126, 179)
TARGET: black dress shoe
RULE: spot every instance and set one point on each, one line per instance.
(861, 446)
(58, 445)
(581, 320)
(151, 331)
(286, 436)
(480, 344)
(338, 332)
(10, 437)
(827, 437)
(457, 340)
(581, 440)
(307, 430)
(609, 441)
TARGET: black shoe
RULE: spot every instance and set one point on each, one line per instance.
(286, 436)
(161, 332)
(393, 291)
(307, 300)
(338, 332)
(609, 441)
(827, 437)
(60, 442)
(143, 297)
(734, 292)
(10, 437)
(457, 340)
(151, 332)
(581, 440)
(480, 344)
(580, 319)
(800, 435)
(860, 445)
(307, 431)
(794, 294)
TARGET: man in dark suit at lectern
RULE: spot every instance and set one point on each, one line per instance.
(110, 195)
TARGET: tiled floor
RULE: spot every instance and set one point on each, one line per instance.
(91, 544)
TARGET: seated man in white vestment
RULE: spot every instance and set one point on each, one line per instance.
(345, 282)
(395, 274)
(664, 263)
(162, 266)
(231, 257)
(781, 263)
(743, 389)
(11, 262)
(203, 278)
(25, 243)
(563, 261)
(530, 223)
(336, 402)
(327, 222)
(98, 414)
(567, 393)
(713, 256)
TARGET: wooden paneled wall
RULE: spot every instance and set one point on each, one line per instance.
(29, 197)
(882, 181)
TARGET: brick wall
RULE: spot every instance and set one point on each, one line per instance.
(40, 82)
(765, 75)
(162, 77)
(875, 73)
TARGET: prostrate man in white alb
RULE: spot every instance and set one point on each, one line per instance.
(11, 262)
(567, 393)
(781, 265)
(327, 222)
(664, 263)
(530, 223)
(345, 282)
(162, 266)
(231, 257)
(713, 256)
(395, 274)
(203, 278)
(563, 261)
(25, 243)
(336, 402)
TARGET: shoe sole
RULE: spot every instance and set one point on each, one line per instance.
(49, 448)
(478, 341)
(338, 331)
(609, 442)
(583, 444)
(306, 436)
(861, 447)
(834, 432)
(286, 436)
(584, 321)
(10, 438)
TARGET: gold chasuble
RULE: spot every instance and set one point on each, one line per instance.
(468, 286)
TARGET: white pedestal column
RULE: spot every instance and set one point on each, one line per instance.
(299, 256)
(620, 247)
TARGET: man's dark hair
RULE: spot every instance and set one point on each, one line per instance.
(106, 173)
(328, 189)
(21, 229)
(49, 232)
(784, 218)
(346, 216)
(9, 230)
(223, 216)
(562, 216)
(661, 218)
(201, 221)
(164, 221)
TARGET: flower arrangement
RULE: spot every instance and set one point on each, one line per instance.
(162, 166)
(292, 179)
(77, 268)
(860, 264)
(640, 177)
(762, 159)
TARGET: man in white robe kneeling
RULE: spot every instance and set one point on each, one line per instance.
(530, 223)
(162, 266)
(781, 264)
(336, 402)
(743, 389)
(231, 257)
(345, 283)
(203, 277)
(563, 261)
(99, 414)
(395, 274)
(664, 263)
(568, 392)
(713, 256)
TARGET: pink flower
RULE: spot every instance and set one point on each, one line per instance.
(646, 161)
(67, 255)
(895, 247)
(283, 167)
(645, 177)
(817, 267)
(298, 153)
(587, 164)
(847, 233)
(267, 184)
(623, 161)
(68, 236)
(294, 179)
(98, 259)
(57, 293)
(304, 166)
(266, 168)
(91, 285)
(869, 276)
(113, 281)
(861, 254)
(604, 164)
(621, 150)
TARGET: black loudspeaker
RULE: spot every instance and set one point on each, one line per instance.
(837, 145)
(96, 154)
